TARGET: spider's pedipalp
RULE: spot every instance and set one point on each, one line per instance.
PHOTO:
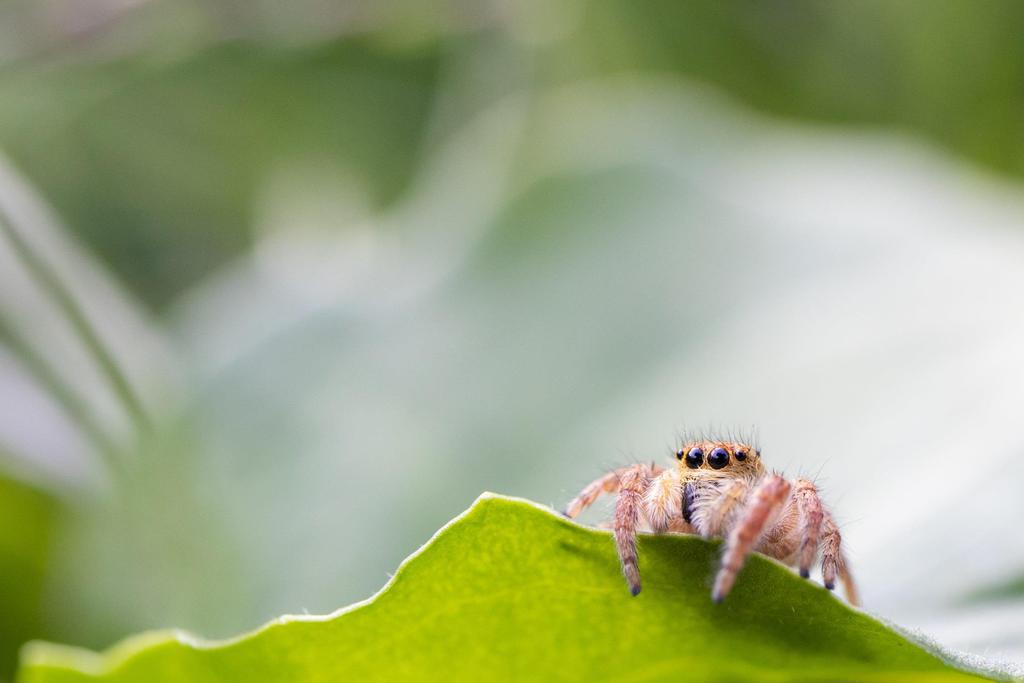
(663, 501)
(765, 502)
(718, 512)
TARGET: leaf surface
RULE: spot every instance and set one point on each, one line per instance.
(510, 591)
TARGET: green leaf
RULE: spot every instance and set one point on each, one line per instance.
(510, 591)
(26, 522)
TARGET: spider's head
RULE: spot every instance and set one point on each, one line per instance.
(725, 458)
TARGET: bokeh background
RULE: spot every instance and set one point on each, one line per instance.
(285, 286)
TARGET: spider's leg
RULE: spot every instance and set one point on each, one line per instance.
(818, 527)
(849, 585)
(812, 513)
(632, 484)
(608, 483)
(764, 504)
(833, 561)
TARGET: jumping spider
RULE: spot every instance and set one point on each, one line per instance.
(721, 489)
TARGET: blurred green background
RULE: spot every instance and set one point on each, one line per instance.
(284, 287)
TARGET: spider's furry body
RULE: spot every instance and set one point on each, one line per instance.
(721, 489)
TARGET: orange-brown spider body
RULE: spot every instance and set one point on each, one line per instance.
(721, 489)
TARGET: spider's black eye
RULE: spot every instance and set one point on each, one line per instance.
(718, 458)
(679, 454)
(741, 455)
(694, 458)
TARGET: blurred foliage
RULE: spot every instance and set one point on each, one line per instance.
(1012, 589)
(950, 70)
(153, 548)
(157, 165)
(509, 592)
(537, 244)
(26, 522)
(154, 155)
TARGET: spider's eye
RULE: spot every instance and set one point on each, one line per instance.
(694, 458)
(741, 455)
(718, 458)
(679, 454)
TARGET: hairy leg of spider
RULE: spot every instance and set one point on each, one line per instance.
(663, 501)
(849, 585)
(609, 483)
(811, 515)
(628, 507)
(715, 514)
(764, 504)
(833, 561)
